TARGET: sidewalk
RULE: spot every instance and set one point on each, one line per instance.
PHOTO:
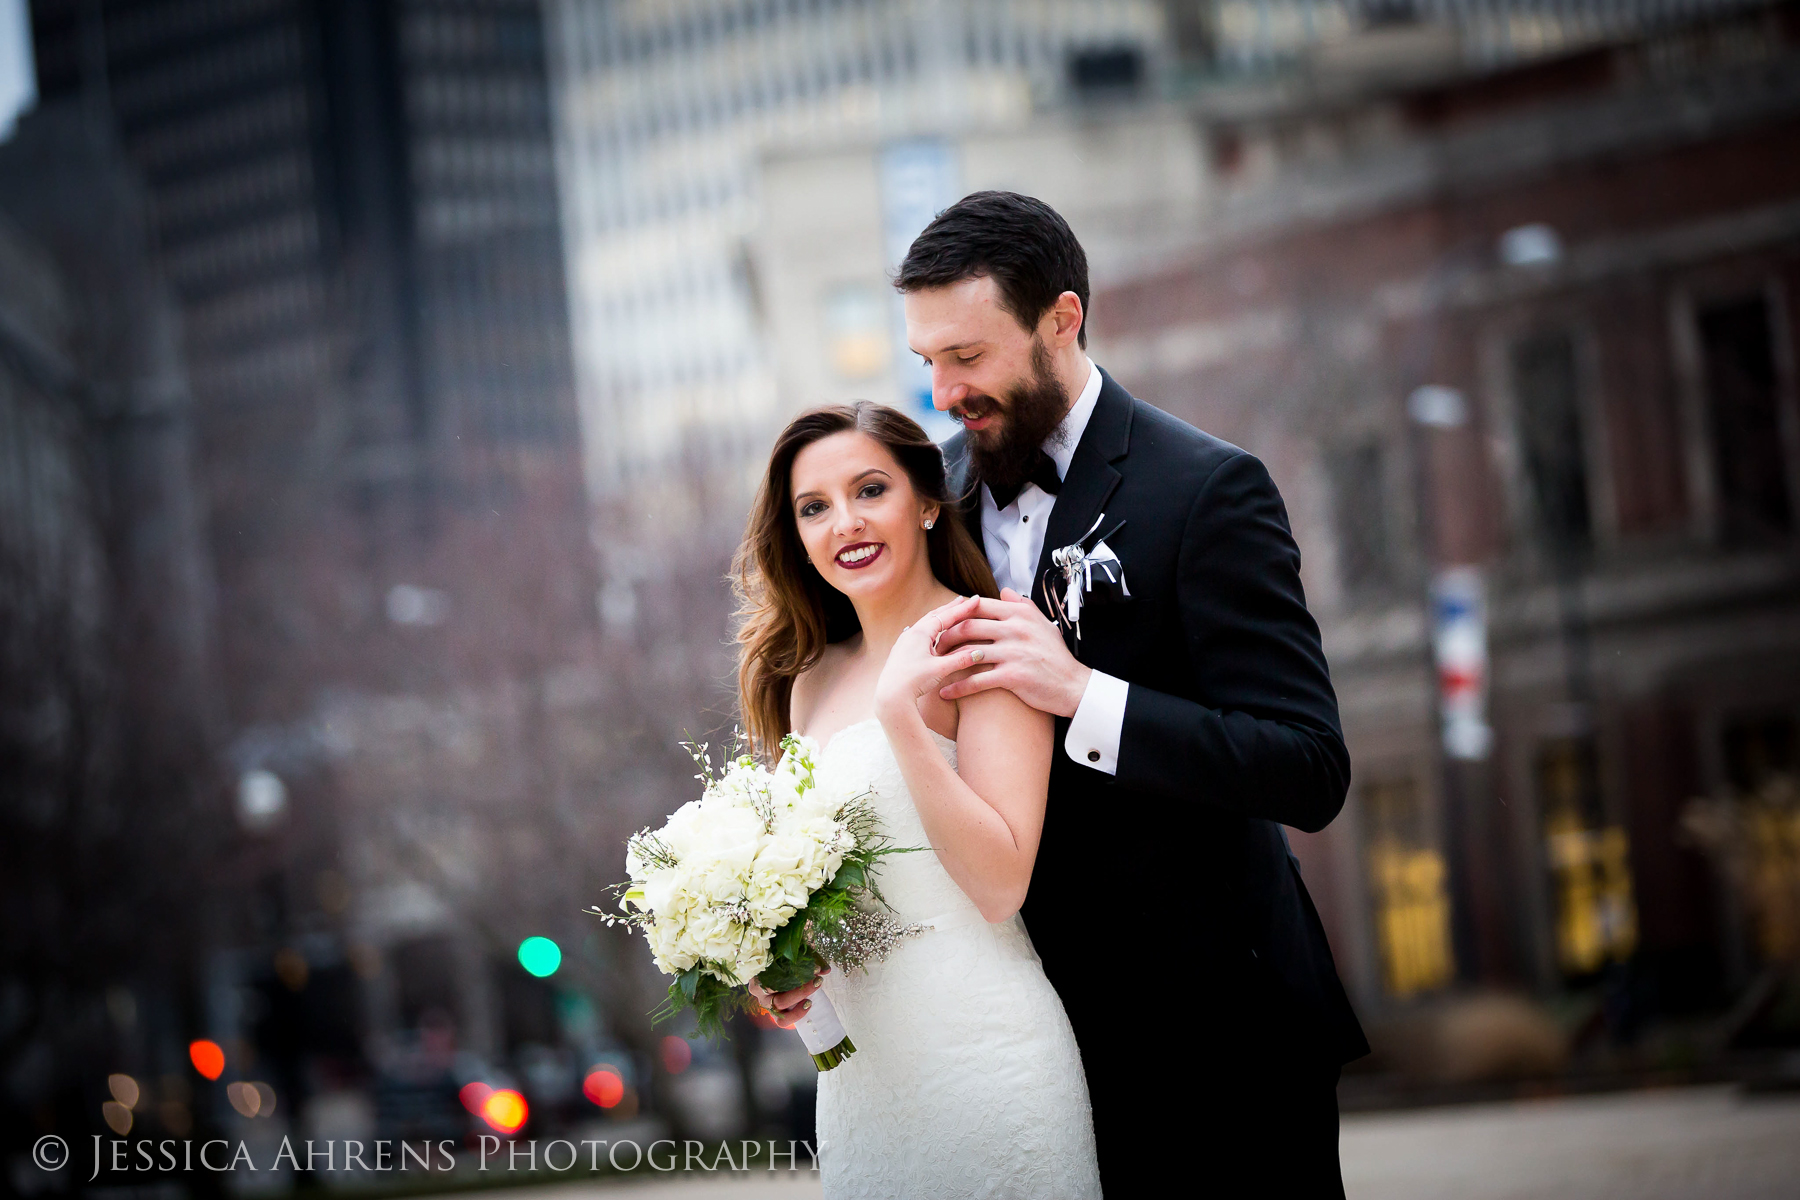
(750, 1185)
(1710, 1143)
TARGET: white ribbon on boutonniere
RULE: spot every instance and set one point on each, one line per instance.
(1084, 566)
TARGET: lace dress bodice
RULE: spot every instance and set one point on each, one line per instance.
(916, 885)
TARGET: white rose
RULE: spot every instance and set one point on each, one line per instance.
(725, 846)
(683, 829)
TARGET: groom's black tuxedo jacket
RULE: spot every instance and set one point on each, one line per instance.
(1171, 882)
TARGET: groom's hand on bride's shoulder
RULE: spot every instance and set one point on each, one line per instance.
(786, 1008)
(1009, 643)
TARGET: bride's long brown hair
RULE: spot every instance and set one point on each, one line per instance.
(787, 613)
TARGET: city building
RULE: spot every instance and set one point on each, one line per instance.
(109, 734)
(356, 210)
(1518, 346)
(665, 116)
(1353, 241)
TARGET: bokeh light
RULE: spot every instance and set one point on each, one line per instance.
(677, 1055)
(245, 1098)
(506, 1110)
(540, 956)
(208, 1058)
(124, 1089)
(474, 1095)
(604, 1086)
(117, 1116)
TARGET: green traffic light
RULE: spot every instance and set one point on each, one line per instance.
(540, 956)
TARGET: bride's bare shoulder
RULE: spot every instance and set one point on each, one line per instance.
(996, 722)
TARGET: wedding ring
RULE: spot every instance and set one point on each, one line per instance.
(975, 655)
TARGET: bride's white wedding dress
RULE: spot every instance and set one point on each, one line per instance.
(966, 1080)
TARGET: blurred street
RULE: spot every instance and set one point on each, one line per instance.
(1712, 1143)
(755, 1186)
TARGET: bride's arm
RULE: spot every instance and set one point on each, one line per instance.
(984, 820)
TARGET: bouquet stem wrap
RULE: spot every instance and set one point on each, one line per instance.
(823, 1034)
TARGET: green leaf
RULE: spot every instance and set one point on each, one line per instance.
(789, 941)
(784, 975)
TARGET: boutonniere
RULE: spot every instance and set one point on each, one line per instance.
(1086, 566)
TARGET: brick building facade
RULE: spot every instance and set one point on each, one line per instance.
(1542, 323)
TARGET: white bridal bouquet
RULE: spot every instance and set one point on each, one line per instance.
(763, 877)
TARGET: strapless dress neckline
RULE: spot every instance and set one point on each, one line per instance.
(876, 721)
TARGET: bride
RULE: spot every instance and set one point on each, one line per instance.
(967, 1080)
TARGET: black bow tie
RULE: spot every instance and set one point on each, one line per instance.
(1043, 473)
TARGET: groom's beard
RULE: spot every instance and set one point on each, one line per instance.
(1005, 453)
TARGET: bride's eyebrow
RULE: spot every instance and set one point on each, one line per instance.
(815, 493)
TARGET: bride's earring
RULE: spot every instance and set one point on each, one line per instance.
(928, 522)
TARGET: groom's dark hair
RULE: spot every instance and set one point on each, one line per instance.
(1022, 242)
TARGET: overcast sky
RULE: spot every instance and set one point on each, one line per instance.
(18, 82)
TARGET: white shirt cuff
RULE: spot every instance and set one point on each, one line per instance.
(1099, 721)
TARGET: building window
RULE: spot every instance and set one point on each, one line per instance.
(1762, 768)
(1547, 398)
(856, 326)
(1106, 71)
(1743, 409)
(1407, 879)
(1359, 495)
(1590, 867)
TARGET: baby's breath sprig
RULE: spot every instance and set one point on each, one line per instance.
(762, 801)
(651, 850)
(859, 938)
(859, 816)
(701, 753)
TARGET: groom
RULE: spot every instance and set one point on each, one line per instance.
(1195, 717)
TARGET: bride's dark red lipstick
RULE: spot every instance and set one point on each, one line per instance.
(860, 563)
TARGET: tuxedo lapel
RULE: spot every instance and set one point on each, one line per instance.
(1091, 480)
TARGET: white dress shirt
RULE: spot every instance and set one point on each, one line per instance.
(1014, 539)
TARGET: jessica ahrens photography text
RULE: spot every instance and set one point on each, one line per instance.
(119, 1155)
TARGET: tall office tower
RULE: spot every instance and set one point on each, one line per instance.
(665, 115)
(355, 204)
